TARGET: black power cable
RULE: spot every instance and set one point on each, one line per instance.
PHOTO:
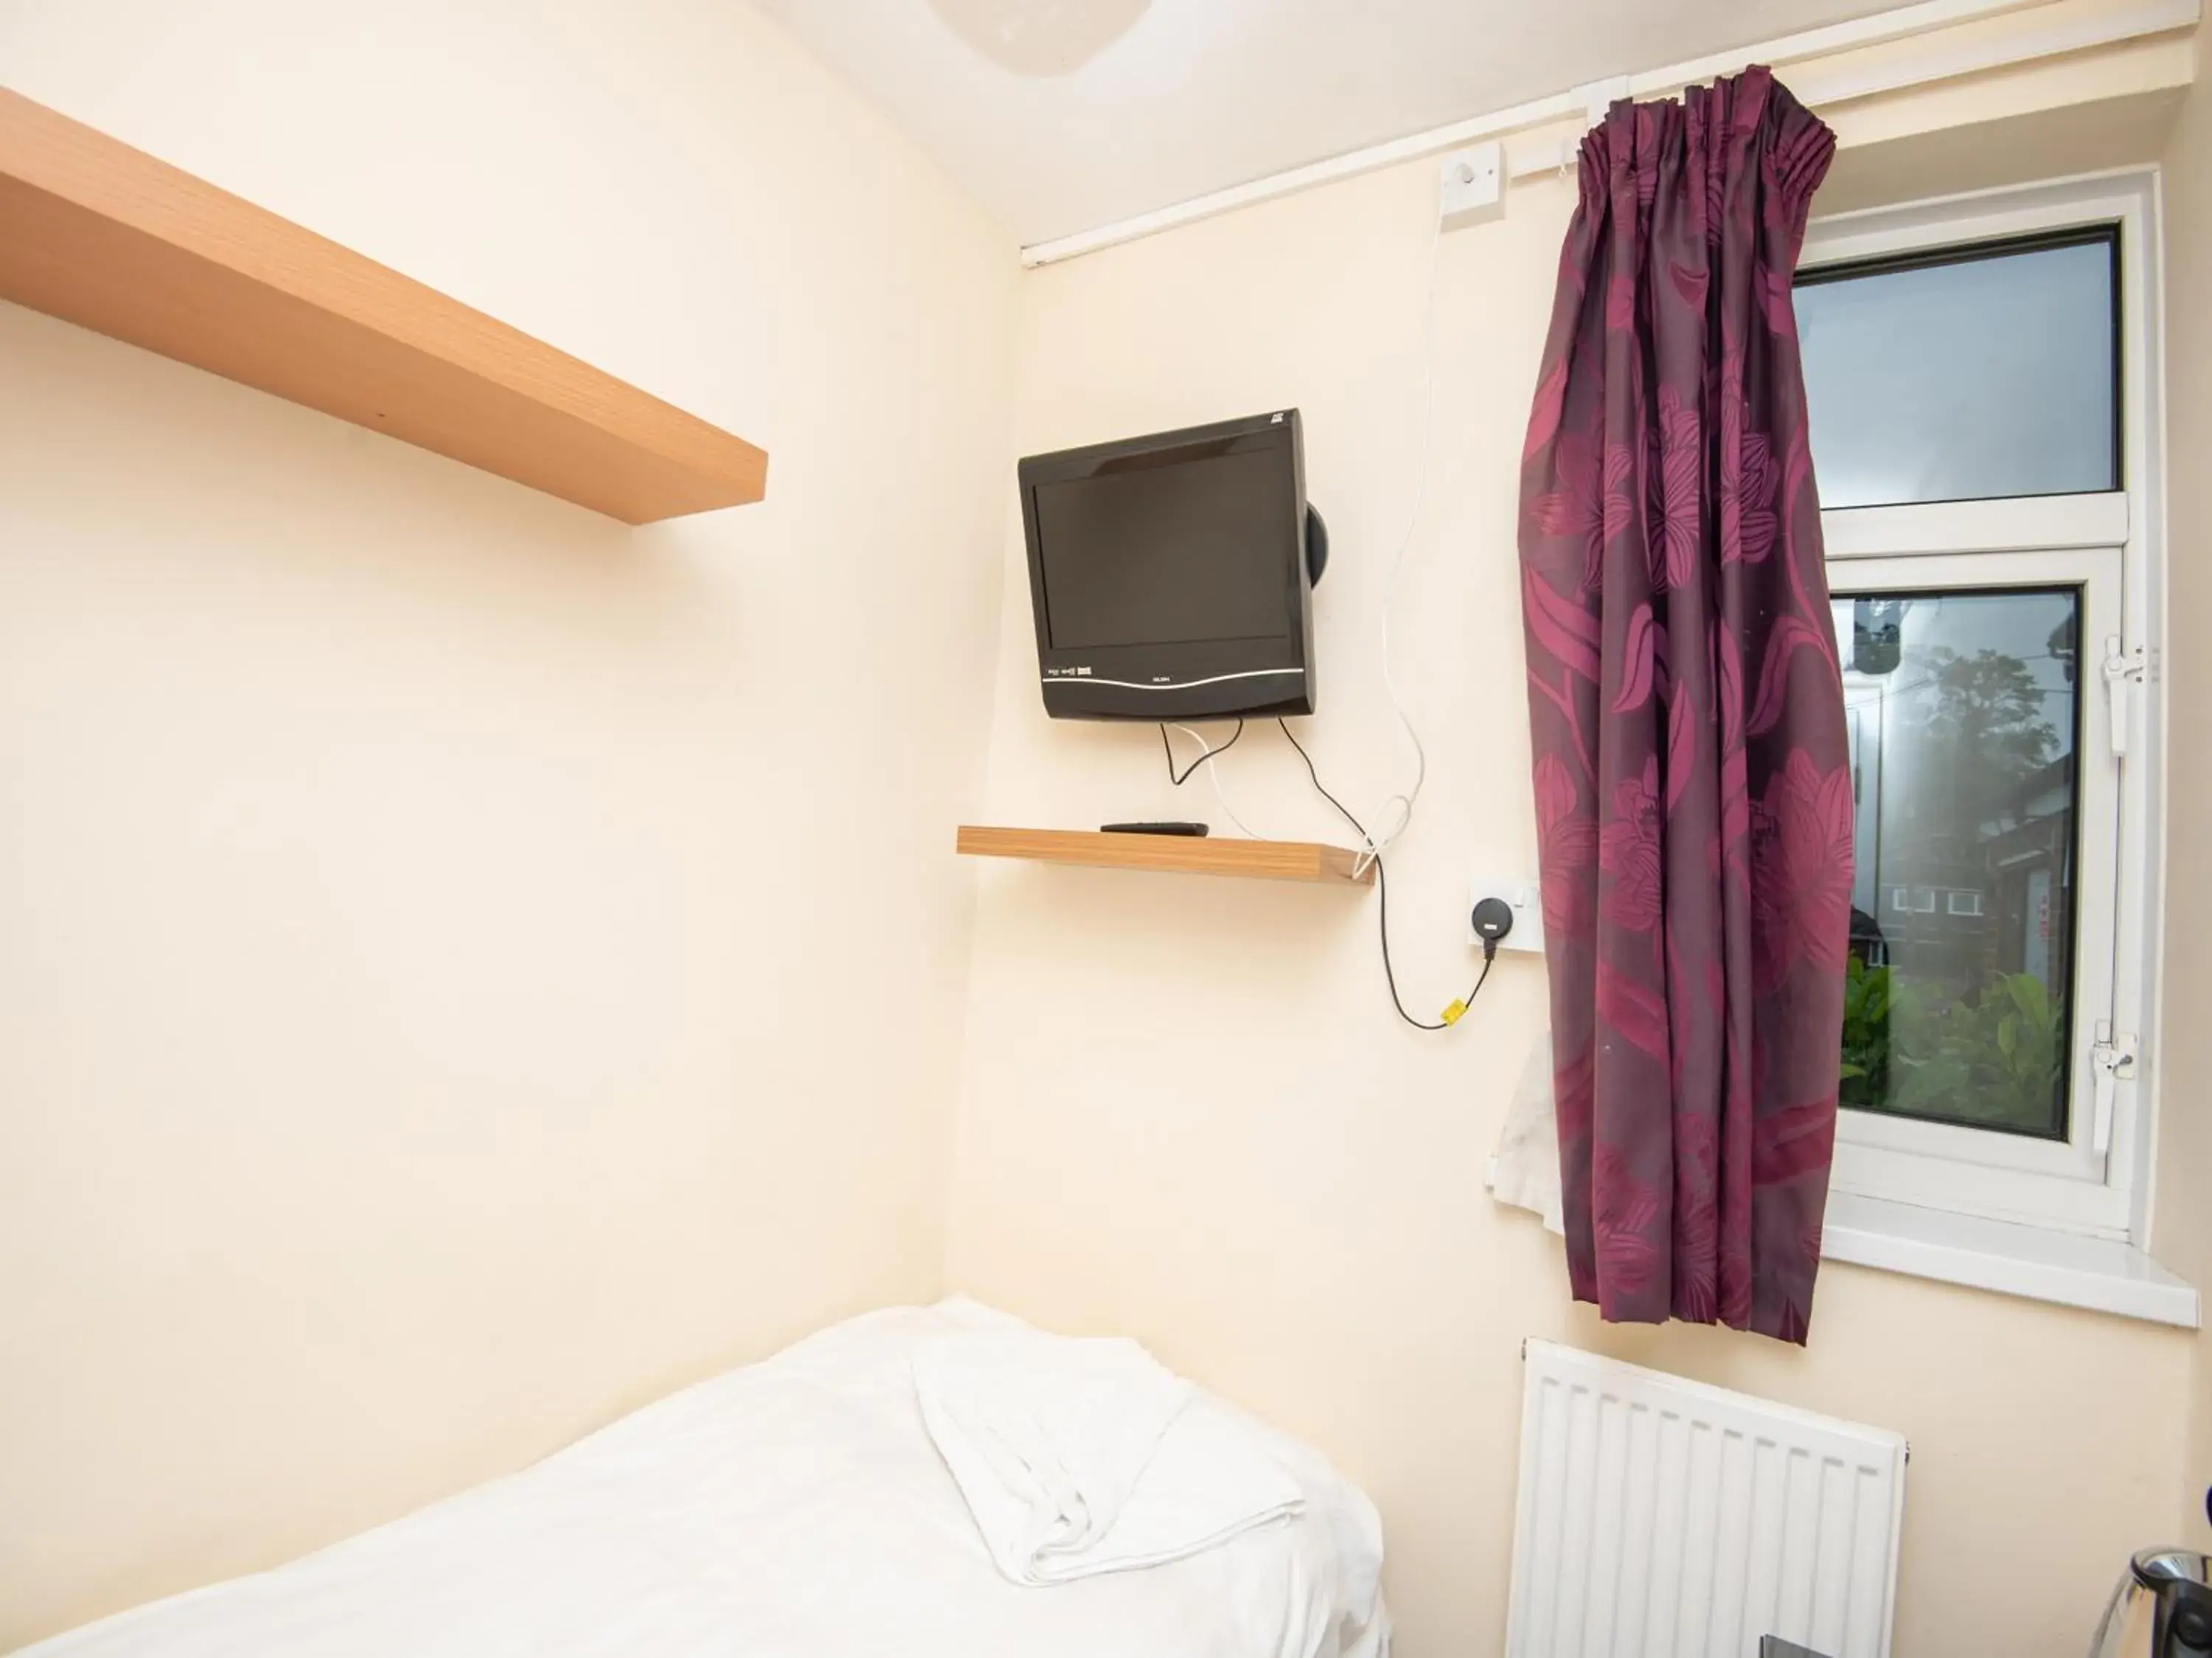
(1382, 893)
(1191, 771)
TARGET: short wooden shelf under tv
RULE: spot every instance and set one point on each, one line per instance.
(1191, 855)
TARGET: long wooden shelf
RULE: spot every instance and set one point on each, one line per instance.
(105, 236)
(1263, 859)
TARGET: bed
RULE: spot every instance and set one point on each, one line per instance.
(793, 1509)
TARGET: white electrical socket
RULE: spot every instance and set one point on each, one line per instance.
(1470, 186)
(1524, 897)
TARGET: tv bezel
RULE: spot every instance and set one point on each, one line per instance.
(1203, 678)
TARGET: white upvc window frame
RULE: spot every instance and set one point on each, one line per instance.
(2065, 1183)
(2097, 1184)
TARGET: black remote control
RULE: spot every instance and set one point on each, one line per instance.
(1154, 829)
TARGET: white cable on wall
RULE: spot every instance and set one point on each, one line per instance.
(1403, 803)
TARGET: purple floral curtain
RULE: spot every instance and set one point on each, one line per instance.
(1693, 791)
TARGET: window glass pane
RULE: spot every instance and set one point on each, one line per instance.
(1966, 379)
(1963, 709)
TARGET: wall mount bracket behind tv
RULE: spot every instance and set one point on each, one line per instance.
(1317, 545)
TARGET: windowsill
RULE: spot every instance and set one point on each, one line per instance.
(2099, 1274)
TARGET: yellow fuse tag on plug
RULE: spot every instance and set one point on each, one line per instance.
(1451, 1014)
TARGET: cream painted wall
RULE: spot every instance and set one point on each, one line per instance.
(2184, 1196)
(434, 923)
(1187, 1110)
(466, 967)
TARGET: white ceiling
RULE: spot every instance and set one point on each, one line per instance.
(1175, 98)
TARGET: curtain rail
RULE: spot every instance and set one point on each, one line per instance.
(2134, 21)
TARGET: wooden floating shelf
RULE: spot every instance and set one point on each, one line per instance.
(105, 236)
(1191, 855)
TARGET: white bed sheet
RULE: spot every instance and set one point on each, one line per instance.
(793, 1509)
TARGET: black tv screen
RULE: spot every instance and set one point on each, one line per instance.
(1168, 573)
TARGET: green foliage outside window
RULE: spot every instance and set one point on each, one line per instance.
(1994, 1058)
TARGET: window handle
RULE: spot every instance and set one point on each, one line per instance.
(2112, 1061)
(2124, 670)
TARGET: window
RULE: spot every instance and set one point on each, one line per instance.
(1979, 379)
(1919, 389)
(1963, 719)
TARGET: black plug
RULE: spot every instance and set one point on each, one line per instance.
(1493, 919)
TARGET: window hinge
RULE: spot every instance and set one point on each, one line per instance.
(2112, 1061)
(2124, 670)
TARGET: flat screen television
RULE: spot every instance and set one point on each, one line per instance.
(1171, 576)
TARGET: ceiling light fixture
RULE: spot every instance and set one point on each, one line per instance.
(1040, 38)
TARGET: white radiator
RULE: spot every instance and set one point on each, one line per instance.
(1660, 1518)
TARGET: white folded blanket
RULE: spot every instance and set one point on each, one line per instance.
(1081, 1456)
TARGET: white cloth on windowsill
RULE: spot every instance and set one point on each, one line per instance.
(1525, 1172)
